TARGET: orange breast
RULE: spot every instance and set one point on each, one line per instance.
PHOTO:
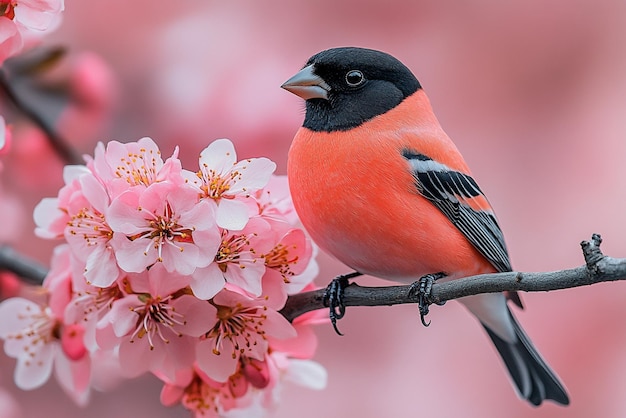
(356, 196)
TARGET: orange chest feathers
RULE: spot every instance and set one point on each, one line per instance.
(357, 197)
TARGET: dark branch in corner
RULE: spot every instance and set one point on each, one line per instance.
(28, 270)
(598, 268)
(60, 145)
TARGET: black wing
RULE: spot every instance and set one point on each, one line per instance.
(459, 198)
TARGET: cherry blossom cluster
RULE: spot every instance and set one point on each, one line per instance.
(174, 272)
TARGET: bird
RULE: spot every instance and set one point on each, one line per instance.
(380, 186)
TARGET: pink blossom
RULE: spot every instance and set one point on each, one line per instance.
(87, 304)
(155, 326)
(203, 396)
(237, 261)
(78, 213)
(18, 17)
(274, 200)
(51, 214)
(135, 164)
(252, 391)
(283, 369)
(33, 14)
(27, 329)
(163, 223)
(304, 345)
(291, 257)
(228, 183)
(10, 285)
(58, 281)
(13, 208)
(33, 335)
(242, 330)
(89, 233)
(11, 41)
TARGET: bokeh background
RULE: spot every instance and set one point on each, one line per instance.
(532, 92)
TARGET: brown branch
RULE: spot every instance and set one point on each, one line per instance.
(598, 268)
(28, 270)
(67, 153)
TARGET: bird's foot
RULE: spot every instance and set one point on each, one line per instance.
(422, 289)
(333, 297)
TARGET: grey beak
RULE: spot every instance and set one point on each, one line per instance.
(307, 85)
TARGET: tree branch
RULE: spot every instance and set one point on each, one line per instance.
(59, 144)
(28, 270)
(598, 268)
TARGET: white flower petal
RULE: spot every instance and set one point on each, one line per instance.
(255, 174)
(46, 212)
(219, 156)
(206, 282)
(307, 373)
(232, 215)
(33, 371)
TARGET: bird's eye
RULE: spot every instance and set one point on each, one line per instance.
(354, 78)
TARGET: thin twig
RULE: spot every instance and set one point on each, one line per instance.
(60, 145)
(598, 268)
(27, 269)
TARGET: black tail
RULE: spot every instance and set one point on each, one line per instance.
(532, 376)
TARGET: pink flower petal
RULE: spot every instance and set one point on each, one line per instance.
(74, 377)
(121, 317)
(207, 282)
(200, 315)
(101, 269)
(256, 173)
(217, 366)
(50, 220)
(11, 41)
(171, 394)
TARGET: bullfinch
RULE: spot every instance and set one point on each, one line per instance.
(380, 186)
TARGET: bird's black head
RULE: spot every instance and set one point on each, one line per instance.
(344, 87)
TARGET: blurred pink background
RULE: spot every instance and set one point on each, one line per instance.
(532, 92)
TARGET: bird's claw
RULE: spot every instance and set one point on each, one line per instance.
(422, 289)
(333, 298)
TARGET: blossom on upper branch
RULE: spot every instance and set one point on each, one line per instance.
(227, 184)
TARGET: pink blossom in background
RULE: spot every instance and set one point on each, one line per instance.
(29, 334)
(8, 405)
